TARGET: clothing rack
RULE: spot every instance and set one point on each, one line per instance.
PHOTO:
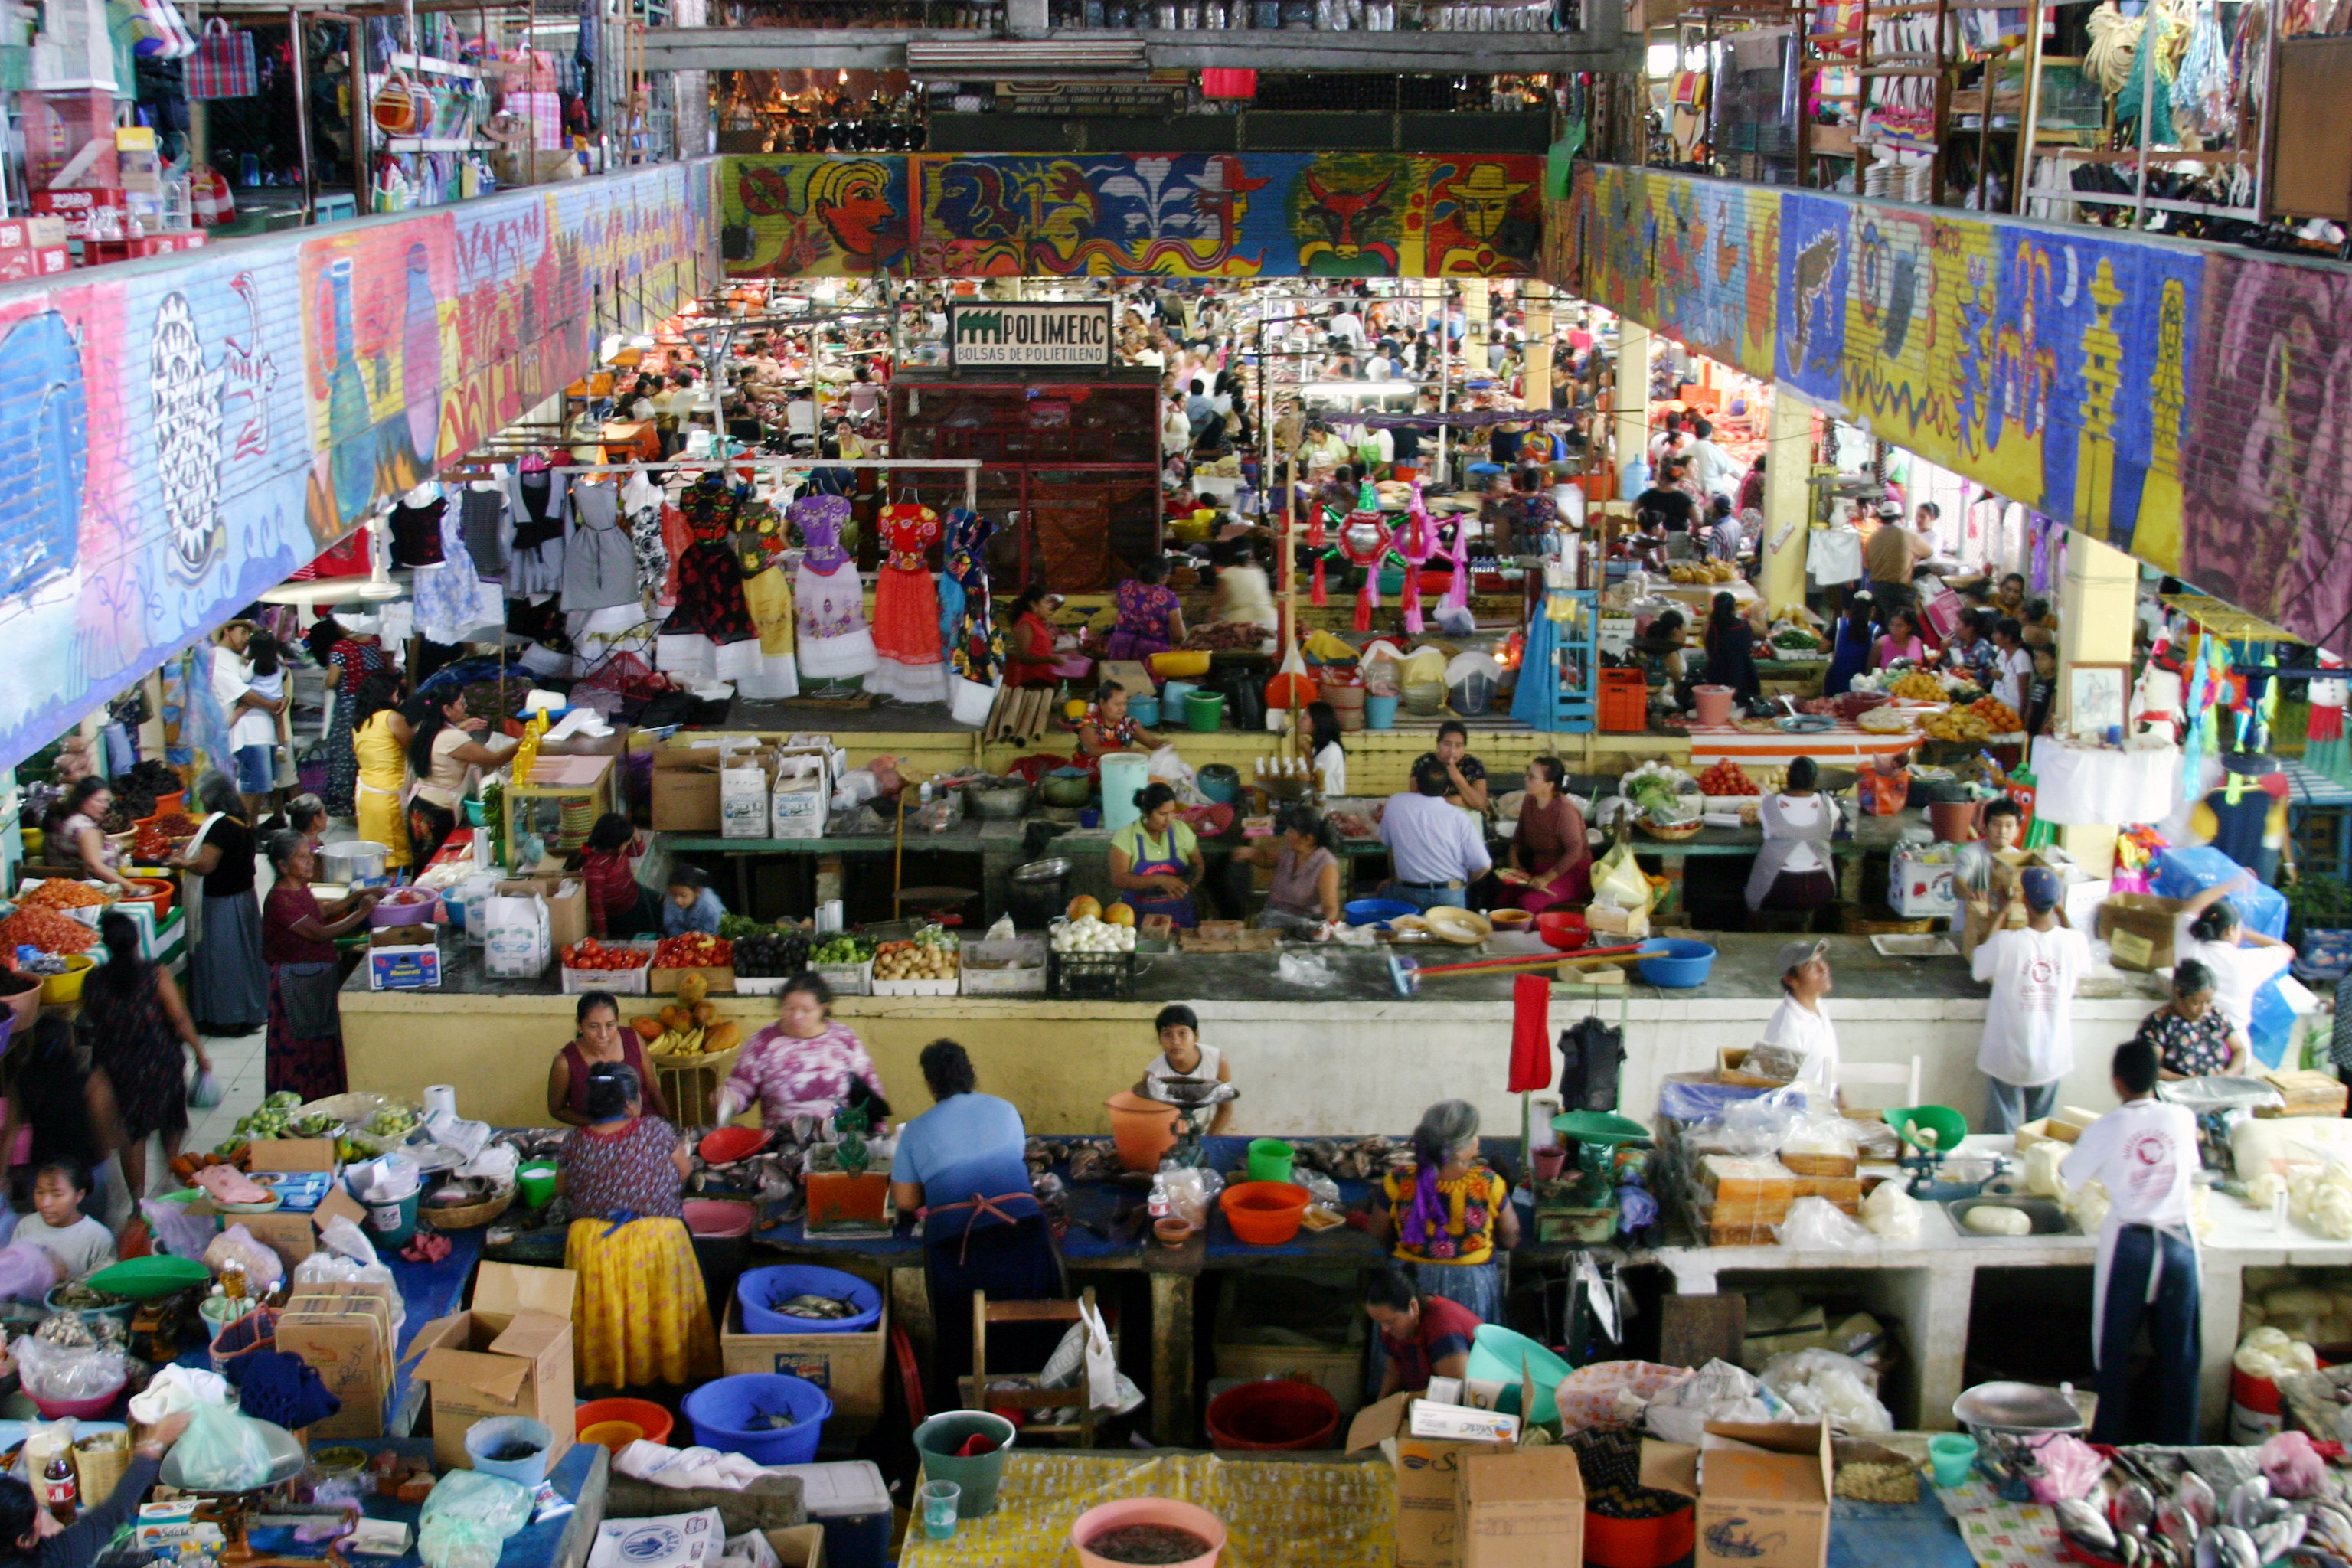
(475, 468)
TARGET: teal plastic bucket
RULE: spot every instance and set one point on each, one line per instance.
(936, 1440)
(1380, 712)
(1269, 1159)
(1497, 1354)
(391, 1224)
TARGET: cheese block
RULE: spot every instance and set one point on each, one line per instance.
(1734, 1179)
(1845, 1192)
(1820, 1165)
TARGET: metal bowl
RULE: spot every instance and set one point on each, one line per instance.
(2016, 1407)
(1052, 869)
(1065, 789)
(999, 802)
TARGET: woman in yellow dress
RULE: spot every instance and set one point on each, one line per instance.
(643, 1317)
(380, 739)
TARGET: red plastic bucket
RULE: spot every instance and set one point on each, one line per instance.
(1273, 1414)
(1639, 1542)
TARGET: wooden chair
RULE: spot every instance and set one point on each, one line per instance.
(1020, 1391)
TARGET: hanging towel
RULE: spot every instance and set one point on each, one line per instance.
(1530, 1034)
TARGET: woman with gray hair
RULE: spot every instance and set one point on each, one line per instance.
(305, 1052)
(305, 814)
(228, 986)
(1447, 1213)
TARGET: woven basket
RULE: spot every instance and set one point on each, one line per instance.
(100, 1461)
(467, 1217)
(1870, 920)
(1675, 834)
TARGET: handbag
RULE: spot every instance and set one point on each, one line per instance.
(222, 65)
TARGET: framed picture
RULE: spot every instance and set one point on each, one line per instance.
(2097, 699)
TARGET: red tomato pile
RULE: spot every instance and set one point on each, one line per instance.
(594, 954)
(695, 950)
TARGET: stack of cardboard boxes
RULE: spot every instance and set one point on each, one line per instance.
(739, 786)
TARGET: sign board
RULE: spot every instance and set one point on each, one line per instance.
(1075, 335)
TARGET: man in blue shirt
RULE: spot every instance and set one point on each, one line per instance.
(963, 1164)
(1435, 850)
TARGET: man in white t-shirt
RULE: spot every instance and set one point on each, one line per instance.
(1348, 326)
(2145, 1154)
(2029, 1030)
(1800, 1023)
(1707, 464)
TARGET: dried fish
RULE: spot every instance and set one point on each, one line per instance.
(2246, 1500)
(807, 1305)
(2198, 1502)
(2238, 1549)
(2133, 1511)
(2083, 1522)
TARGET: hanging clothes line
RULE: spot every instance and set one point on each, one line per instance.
(969, 466)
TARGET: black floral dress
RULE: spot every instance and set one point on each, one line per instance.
(710, 575)
(134, 1043)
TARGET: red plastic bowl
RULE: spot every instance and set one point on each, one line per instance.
(729, 1144)
(1265, 1213)
(718, 1219)
(1273, 1414)
(650, 1422)
(1563, 929)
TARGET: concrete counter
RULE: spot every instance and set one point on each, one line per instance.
(1309, 1063)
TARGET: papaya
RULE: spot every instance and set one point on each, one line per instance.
(723, 1037)
(649, 1028)
(706, 1014)
(1085, 904)
(692, 988)
(1119, 914)
(677, 1020)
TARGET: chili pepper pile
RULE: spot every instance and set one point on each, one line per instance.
(694, 950)
(61, 893)
(594, 954)
(47, 930)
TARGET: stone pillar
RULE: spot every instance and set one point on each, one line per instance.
(1788, 499)
(1535, 304)
(2094, 626)
(1633, 393)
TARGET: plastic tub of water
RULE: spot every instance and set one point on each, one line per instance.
(614, 1424)
(761, 1289)
(1471, 694)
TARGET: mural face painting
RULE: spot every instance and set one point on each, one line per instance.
(2189, 407)
(157, 432)
(1190, 215)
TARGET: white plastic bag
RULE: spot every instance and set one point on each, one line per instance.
(1817, 1225)
(1822, 1386)
(515, 945)
(475, 1515)
(1892, 1214)
(263, 1267)
(1718, 1392)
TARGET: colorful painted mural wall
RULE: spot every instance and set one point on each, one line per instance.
(2190, 405)
(177, 437)
(1191, 214)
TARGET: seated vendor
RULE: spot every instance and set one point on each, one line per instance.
(1151, 620)
(1184, 1070)
(691, 905)
(1030, 659)
(1245, 597)
(806, 1063)
(961, 1166)
(1155, 860)
(600, 1039)
(1661, 645)
(1108, 728)
(1551, 863)
(1423, 1336)
(1448, 1212)
(37, 1539)
(81, 1245)
(1306, 888)
(1465, 775)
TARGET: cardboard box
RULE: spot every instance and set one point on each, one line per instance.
(849, 1367)
(344, 1330)
(510, 1355)
(404, 968)
(801, 1546)
(2139, 930)
(686, 788)
(293, 1237)
(1524, 1509)
(1768, 1510)
(798, 808)
(1434, 1517)
(743, 801)
(567, 913)
(400, 936)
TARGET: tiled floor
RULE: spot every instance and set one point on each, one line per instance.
(236, 1060)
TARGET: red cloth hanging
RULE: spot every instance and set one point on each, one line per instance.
(1530, 1033)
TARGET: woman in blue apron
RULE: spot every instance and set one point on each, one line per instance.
(1155, 860)
(961, 1164)
(1849, 645)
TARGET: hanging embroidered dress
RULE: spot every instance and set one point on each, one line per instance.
(836, 643)
(911, 667)
(709, 581)
(975, 642)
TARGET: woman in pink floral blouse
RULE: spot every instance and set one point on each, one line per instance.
(803, 1064)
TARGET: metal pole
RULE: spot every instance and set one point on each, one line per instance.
(2263, 141)
(2029, 123)
(302, 110)
(2144, 61)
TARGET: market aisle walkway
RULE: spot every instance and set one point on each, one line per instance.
(238, 1059)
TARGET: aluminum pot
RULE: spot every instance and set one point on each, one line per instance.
(1000, 802)
(1065, 789)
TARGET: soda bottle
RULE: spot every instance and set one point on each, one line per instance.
(59, 1491)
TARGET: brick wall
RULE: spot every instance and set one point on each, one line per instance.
(178, 435)
(2185, 403)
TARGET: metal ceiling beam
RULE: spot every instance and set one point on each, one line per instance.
(885, 49)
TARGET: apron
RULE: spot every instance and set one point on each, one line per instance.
(307, 992)
(2109, 1228)
(1177, 907)
(1781, 841)
(984, 1208)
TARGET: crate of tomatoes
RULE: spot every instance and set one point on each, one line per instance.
(675, 957)
(623, 968)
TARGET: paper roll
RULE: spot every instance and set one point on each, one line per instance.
(440, 1098)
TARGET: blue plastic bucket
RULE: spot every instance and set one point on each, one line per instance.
(758, 1290)
(1144, 711)
(1676, 963)
(1380, 712)
(1377, 912)
(724, 1413)
(484, 1438)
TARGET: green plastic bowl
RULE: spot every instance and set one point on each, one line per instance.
(1498, 1354)
(1949, 1125)
(145, 1279)
(1599, 1127)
